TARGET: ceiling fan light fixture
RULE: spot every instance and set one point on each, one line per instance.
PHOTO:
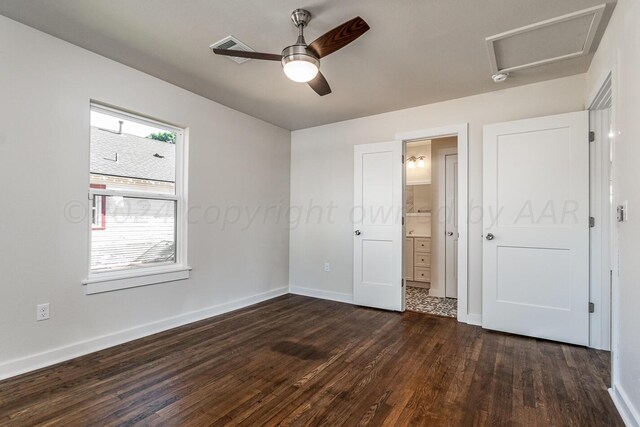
(301, 61)
(299, 65)
(300, 70)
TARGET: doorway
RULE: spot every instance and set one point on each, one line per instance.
(601, 232)
(379, 221)
(431, 226)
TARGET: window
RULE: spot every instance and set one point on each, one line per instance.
(137, 200)
(98, 209)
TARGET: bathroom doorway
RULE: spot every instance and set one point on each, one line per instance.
(431, 226)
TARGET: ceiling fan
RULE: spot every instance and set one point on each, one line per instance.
(301, 62)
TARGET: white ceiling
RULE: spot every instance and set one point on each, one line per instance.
(417, 51)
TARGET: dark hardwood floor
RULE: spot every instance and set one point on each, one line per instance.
(297, 360)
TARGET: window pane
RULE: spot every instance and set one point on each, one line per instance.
(129, 156)
(134, 233)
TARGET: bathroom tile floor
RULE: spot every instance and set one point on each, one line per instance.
(419, 300)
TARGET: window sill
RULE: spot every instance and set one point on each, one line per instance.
(116, 281)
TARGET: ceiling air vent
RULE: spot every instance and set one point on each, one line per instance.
(232, 43)
(556, 39)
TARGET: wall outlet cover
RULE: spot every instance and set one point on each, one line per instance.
(42, 311)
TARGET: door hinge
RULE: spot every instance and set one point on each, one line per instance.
(592, 222)
(592, 136)
(621, 214)
(402, 220)
(592, 307)
(403, 159)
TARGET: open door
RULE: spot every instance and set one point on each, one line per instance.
(451, 225)
(377, 220)
(536, 228)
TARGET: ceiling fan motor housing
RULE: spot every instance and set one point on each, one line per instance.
(299, 52)
(299, 63)
(300, 17)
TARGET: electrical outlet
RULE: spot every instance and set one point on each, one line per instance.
(42, 312)
(327, 267)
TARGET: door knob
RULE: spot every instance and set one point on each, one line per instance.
(490, 236)
(449, 233)
(358, 232)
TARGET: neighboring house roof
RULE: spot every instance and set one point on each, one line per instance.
(137, 157)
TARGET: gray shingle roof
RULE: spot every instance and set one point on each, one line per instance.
(137, 157)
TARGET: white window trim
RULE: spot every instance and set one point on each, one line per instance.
(99, 282)
(133, 194)
(123, 279)
(96, 213)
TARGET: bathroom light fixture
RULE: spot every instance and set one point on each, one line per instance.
(414, 161)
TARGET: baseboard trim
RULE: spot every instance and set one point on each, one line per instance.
(317, 293)
(474, 319)
(64, 353)
(625, 407)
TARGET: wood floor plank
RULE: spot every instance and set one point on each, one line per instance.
(300, 361)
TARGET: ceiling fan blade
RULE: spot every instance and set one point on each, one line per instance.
(320, 85)
(339, 37)
(245, 54)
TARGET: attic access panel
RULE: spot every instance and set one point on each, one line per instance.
(564, 37)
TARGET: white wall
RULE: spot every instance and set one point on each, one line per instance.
(322, 176)
(619, 51)
(234, 160)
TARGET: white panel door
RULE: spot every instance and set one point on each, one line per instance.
(536, 228)
(451, 228)
(377, 220)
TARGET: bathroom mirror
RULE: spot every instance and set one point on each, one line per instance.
(418, 199)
